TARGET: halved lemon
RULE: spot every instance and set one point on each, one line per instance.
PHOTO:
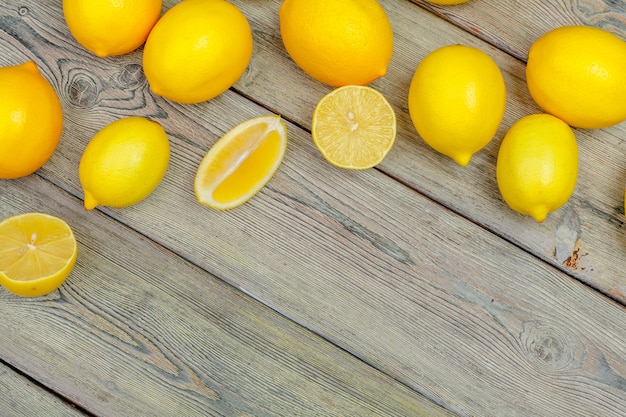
(241, 162)
(354, 127)
(37, 253)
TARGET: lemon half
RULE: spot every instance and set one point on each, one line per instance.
(354, 127)
(37, 253)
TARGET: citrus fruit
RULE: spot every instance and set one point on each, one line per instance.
(197, 50)
(354, 127)
(124, 162)
(339, 42)
(111, 27)
(37, 253)
(457, 99)
(241, 162)
(31, 120)
(577, 73)
(537, 165)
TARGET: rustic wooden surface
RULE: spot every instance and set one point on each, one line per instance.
(409, 289)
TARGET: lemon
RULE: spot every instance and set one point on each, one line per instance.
(37, 253)
(111, 27)
(241, 162)
(197, 50)
(537, 165)
(31, 120)
(354, 127)
(457, 99)
(339, 42)
(578, 74)
(124, 162)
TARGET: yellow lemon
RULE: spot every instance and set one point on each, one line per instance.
(37, 253)
(241, 162)
(31, 120)
(124, 162)
(111, 27)
(457, 99)
(578, 74)
(197, 50)
(354, 127)
(537, 165)
(339, 42)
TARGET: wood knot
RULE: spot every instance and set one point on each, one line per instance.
(23, 11)
(548, 346)
(83, 91)
(132, 76)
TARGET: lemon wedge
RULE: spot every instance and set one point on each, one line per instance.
(354, 127)
(37, 253)
(241, 162)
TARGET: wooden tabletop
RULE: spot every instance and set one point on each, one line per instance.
(405, 290)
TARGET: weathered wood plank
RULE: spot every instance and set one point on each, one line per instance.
(430, 298)
(424, 295)
(585, 238)
(20, 397)
(137, 331)
(514, 25)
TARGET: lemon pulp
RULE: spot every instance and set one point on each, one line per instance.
(37, 253)
(354, 127)
(240, 163)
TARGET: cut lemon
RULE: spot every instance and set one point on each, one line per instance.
(241, 162)
(37, 253)
(354, 127)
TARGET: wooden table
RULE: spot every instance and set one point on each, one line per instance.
(409, 289)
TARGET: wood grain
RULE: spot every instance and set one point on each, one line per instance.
(403, 269)
(514, 25)
(136, 330)
(21, 397)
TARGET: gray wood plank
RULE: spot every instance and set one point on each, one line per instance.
(514, 25)
(21, 397)
(413, 289)
(135, 330)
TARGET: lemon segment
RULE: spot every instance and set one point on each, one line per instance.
(537, 165)
(37, 253)
(124, 162)
(354, 127)
(241, 162)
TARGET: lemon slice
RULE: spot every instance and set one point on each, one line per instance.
(37, 253)
(354, 127)
(241, 162)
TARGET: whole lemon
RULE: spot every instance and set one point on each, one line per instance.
(124, 162)
(457, 99)
(578, 73)
(111, 27)
(339, 42)
(31, 120)
(537, 165)
(197, 50)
